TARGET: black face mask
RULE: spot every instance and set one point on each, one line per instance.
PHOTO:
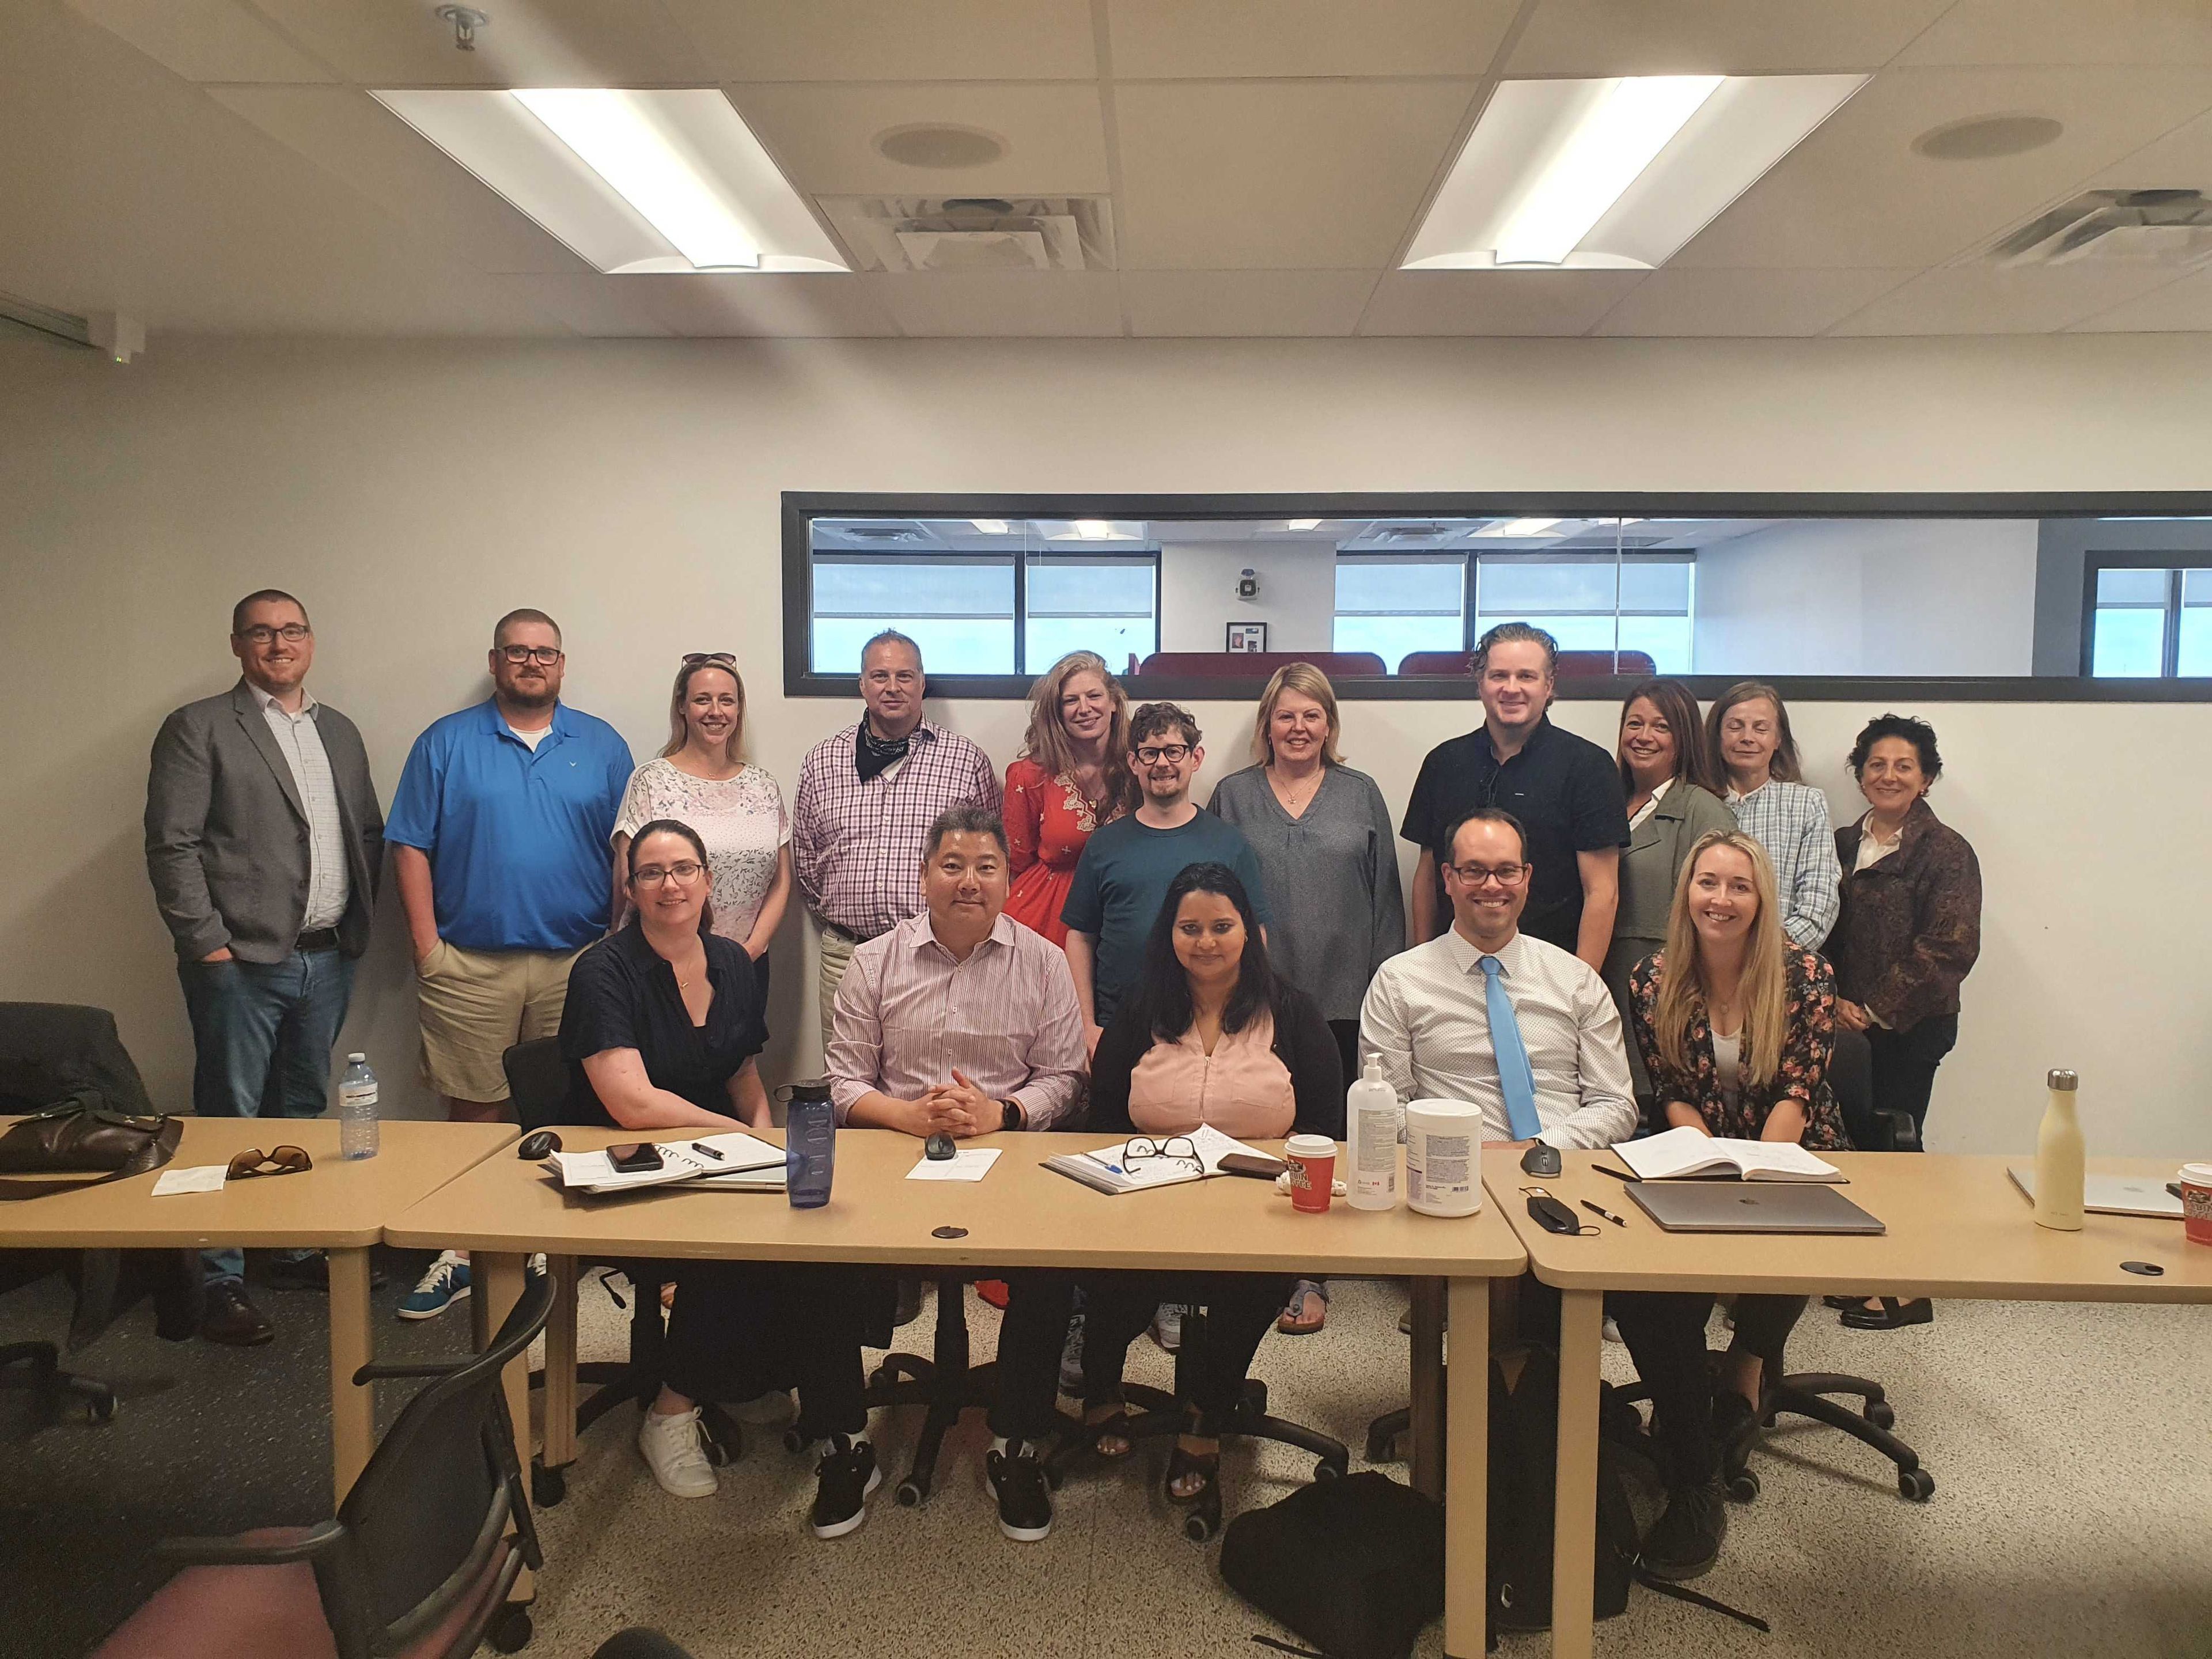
(873, 755)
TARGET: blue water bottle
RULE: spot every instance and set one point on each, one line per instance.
(810, 1145)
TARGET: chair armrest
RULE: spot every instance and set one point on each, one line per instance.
(1902, 1133)
(250, 1550)
(376, 1373)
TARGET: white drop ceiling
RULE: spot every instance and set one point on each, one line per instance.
(217, 166)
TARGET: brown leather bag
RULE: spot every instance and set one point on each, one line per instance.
(82, 1136)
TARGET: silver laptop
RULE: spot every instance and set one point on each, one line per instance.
(2110, 1194)
(1750, 1206)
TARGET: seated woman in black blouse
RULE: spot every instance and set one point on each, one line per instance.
(660, 1029)
(1210, 1036)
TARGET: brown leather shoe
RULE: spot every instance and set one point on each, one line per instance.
(232, 1321)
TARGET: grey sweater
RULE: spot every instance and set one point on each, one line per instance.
(1332, 877)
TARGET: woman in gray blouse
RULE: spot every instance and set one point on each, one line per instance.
(1328, 855)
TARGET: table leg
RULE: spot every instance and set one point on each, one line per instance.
(558, 1436)
(353, 1408)
(1467, 1473)
(1574, 1539)
(1427, 1416)
(498, 1281)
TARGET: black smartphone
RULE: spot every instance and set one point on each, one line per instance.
(1253, 1165)
(634, 1155)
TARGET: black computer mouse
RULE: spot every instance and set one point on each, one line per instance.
(938, 1146)
(538, 1144)
(1541, 1160)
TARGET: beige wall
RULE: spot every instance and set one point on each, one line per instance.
(411, 492)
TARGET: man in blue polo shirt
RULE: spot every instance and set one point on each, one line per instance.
(499, 836)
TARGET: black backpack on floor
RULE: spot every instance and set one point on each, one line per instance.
(1355, 1565)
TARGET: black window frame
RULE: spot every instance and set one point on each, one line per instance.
(801, 508)
(2177, 564)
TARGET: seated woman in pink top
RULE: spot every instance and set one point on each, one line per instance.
(1212, 1035)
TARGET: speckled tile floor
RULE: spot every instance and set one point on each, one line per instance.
(2070, 1445)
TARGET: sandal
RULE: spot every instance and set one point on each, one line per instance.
(1294, 1321)
(1202, 1502)
(1106, 1439)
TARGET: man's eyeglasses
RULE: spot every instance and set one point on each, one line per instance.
(262, 634)
(1172, 753)
(543, 655)
(692, 658)
(1475, 875)
(653, 874)
(281, 1160)
(1176, 1149)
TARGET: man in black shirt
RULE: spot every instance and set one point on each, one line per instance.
(1565, 789)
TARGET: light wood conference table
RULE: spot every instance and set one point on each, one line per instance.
(339, 1205)
(1958, 1228)
(1020, 1215)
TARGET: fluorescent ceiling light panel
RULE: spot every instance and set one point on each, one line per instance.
(1096, 530)
(632, 181)
(1616, 173)
(1520, 527)
(1303, 524)
(992, 526)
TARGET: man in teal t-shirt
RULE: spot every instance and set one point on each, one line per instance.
(1126, 865)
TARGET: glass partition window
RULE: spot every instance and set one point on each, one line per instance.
(1594, 603)
(1395, 607)
(2151, 623)
(1106, 606)
(960, 614)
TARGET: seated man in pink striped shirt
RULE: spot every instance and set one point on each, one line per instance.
(962, 1021)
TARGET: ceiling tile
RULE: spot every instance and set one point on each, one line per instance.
(1438, 302)
(528, 43)
(1225, 39)
(2181, 159)
(1988, 300)
(1309, 175)
(1063, 303)
(1854, 194)
(356, 140)
(203, 39)
(823, 137)
(1744, 303)
(2068, 32)
(811, 305)
(893, 40)
(1220, 304)
(1715, 37)
(2182, 306)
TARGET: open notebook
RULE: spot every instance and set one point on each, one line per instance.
(747, 1165)
(1109, 1169)
(1685, 1152)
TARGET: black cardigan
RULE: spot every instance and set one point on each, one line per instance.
(1303, 1042)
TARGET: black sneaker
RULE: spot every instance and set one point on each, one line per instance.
(1685, 1541)
(844, 1479)
(1731, 1419)
(1023, 1494)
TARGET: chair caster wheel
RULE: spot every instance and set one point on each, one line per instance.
(1381, 1448)
(910, 1494)
(1200, 1528)
(101, 1408)
(547, 1486)
(882, 1377)
(511, 1630)
(1917, 1484)
(1327, 1469)
(794, 1441)
(1742, 1488)
(1879, 1413)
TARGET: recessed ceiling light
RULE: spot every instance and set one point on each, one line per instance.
(1520, 527)
(632, 181)
(1614, 173)
(992, 526)
(1986, 138)
(1096, 530)
(1303, 524)
(939, 146)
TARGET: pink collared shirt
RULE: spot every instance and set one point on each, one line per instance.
(1243, 1088)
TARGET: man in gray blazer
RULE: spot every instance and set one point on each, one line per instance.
(265, 843)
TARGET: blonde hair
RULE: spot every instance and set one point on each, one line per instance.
(1766, 985)
(679, 729)
(1047, 743)
(1306, 681)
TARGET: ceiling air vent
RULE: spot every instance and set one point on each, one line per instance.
(2171, 227)
(975, 233)
(1606, 542)
(883, 535)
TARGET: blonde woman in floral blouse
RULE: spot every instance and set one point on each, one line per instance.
(1069, 780)
(1735, 1023)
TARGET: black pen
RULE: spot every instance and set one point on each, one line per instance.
(1600, 1209)
(704, 1150)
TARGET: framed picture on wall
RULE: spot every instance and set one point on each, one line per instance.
(1248, 636)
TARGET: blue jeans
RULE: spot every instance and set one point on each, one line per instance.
(261, 1035)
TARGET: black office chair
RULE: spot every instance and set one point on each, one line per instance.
(537, 1083)
(944, 1385)
(418, 1561)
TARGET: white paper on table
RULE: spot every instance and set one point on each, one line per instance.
(200, 1178)
(966, 1164)
(593, 1172)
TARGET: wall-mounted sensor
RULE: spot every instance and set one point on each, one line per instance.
(1247, 583)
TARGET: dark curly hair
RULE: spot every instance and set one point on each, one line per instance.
(1919, 733)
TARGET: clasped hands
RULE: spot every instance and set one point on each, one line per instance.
(957, 1108)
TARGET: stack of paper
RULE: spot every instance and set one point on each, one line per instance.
(746, 1163)
(1109, 1169)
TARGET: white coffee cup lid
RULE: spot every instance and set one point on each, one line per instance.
(2198, 1175)
(1309, 1147)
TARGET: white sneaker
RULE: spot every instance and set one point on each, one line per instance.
(1612, 1330)
(672, 1448)
(1167, 1326)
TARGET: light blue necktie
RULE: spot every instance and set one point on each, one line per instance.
(1515, 1077)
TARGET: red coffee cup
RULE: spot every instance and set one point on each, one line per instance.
(1312, 1159)
(2195, 1202)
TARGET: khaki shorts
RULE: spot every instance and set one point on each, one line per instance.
(837, 958)
(476, 1005)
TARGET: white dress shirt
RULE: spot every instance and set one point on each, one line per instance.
(302, 744)
(1427, 1015)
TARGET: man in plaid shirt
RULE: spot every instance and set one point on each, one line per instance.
(867, 797)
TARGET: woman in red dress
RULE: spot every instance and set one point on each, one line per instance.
(1072, 776)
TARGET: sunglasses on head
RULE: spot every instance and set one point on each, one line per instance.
(693, 658)
(281, 1160)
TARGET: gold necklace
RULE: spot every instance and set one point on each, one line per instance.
(1291, 789)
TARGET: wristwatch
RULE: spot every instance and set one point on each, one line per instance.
(1014, 1117)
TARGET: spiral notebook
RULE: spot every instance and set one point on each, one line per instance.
(1109, 1169)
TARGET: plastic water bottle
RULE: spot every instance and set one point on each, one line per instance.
(1371, 1115)
(810, 1145)
(357, 1109)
